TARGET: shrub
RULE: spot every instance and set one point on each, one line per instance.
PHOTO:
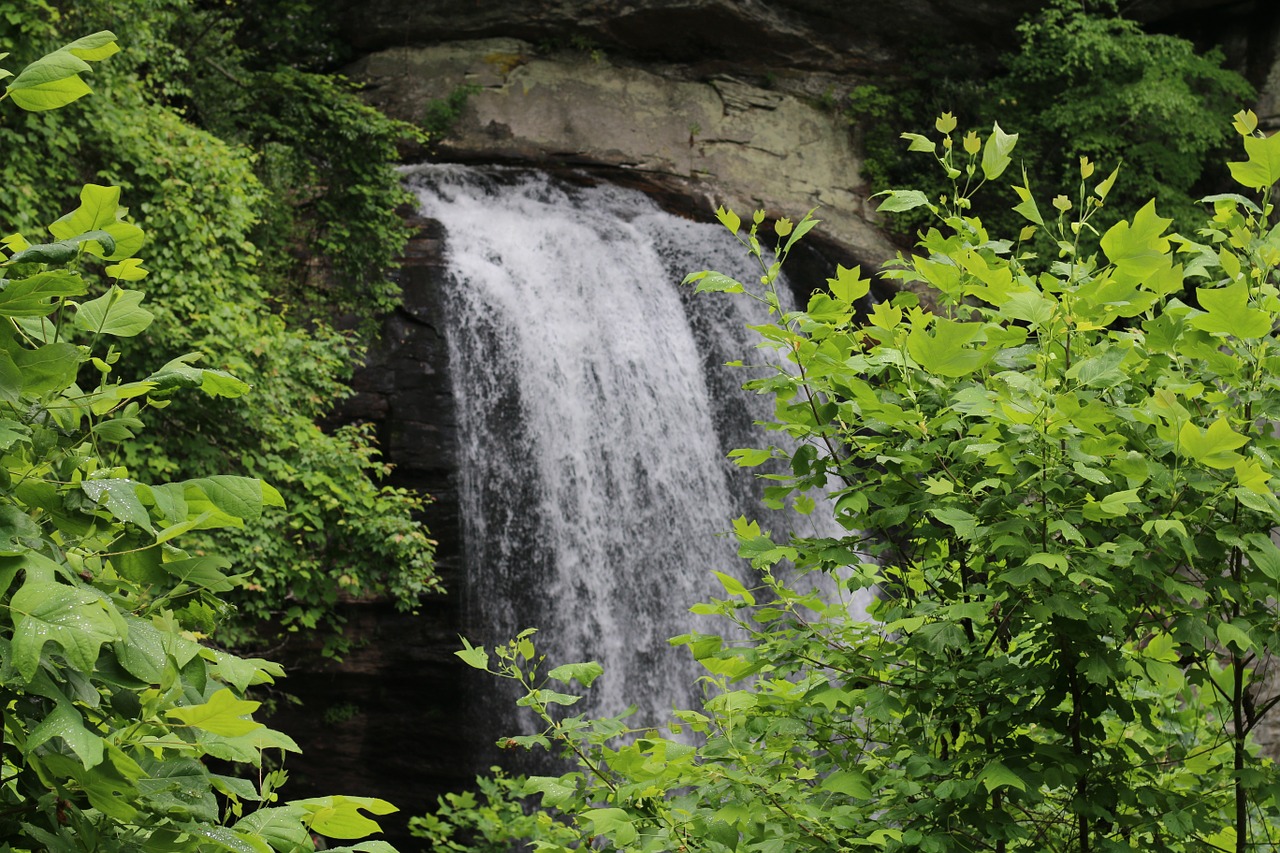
(1060, 481)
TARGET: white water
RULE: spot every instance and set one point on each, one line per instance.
(595, 415)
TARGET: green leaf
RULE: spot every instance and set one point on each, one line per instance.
(1232, 633)
(945, 352)
(98, 208)
(964, 524)
(52, 81)
(1264, 554)
(39, 294)
(554, 790)
(120, 497)
(802, 229)
(222, 715)
(76, 620)
(65, 722)
(849, 285)
(279, 826)
(1228, 312)
(899, 200)
(1213, 447)
(62, 252)
(583, 673)
(223, 838)
(1026, 205)
(129, 269)
(996, 775)
(733, 586)
(613, 823)
(179, 373)
(713, 282)
(1138, 249)
(94, 47)
(340, 817)
(851, 783)
(116, 312)
(202, 573)
(919, 143)
(1262, 169)
(1103, 188)
(47, 369)
(473, 656)
(995, 154)
(728, 219)
(1114, 505)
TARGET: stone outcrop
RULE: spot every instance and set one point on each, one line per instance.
(722, 141)
(809, 35)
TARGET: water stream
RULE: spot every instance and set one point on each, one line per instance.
(595, 414)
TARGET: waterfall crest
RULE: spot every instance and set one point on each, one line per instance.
(595, 414)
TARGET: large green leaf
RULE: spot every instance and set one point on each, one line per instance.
(995, 154)
(181, 373)
(1214, 447)
(946, 351)
(76, 620)
(65, 722)
(340, 817)
(1227, 312)
(37, 295)
(117, 312)
(233, 841)
(1137, 248)
(279, 826)
(1262, 169)
(223, 714)
(50, 82)
(120, 498)
(47, 368)
(613, 823)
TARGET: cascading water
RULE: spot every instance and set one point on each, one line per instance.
(594, 415)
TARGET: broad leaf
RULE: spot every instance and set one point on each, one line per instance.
(223, 714)
(1213, 447)
(1227, 312)
(1262, 169)
(1138, 249)
(946, 351)
(340, 817)
(995, 154)
(74, 619)
(37, 295)
(117, 312)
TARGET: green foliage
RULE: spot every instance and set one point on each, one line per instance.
(441, 113)
(121, 731)
(1085, 82)
(274, 224)
(489, 822)
(1060, 483)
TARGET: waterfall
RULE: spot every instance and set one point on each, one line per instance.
(595, 414)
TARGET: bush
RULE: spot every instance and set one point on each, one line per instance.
(121, 730)
(1084, 82)
(1059, 480)
(274, 227)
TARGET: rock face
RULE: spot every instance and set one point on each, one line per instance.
(722, 141)
(808, 35)
(700, 102)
